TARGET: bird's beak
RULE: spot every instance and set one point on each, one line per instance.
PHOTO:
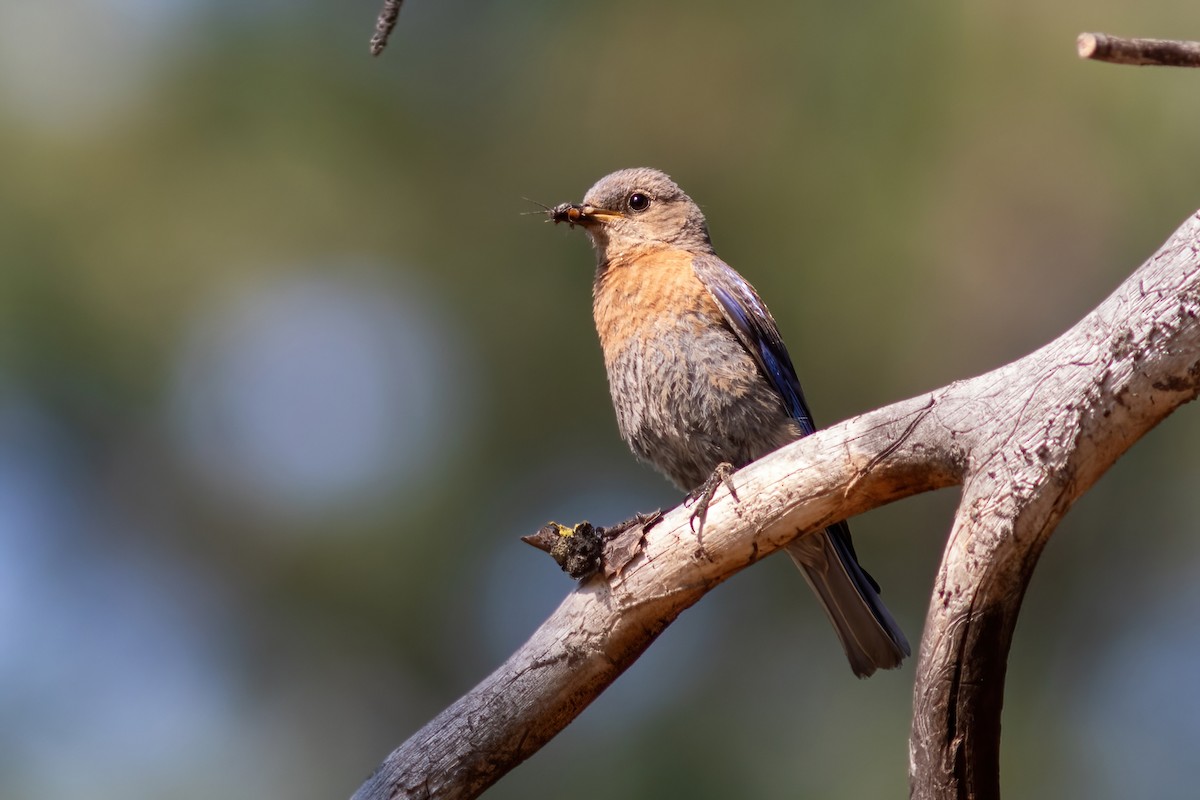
(582, 214)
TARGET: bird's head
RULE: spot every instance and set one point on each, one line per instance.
(636, 208)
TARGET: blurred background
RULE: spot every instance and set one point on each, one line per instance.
(285, 373)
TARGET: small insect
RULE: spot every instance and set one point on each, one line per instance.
(566, 212)
(563, 212)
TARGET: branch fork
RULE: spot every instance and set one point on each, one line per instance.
(1025, 441)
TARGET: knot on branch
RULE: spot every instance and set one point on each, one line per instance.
(583, 549)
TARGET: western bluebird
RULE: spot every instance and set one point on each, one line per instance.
(701, 380)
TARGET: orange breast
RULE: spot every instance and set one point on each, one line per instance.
(639, 295)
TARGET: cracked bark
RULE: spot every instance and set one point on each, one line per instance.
(1025, 441)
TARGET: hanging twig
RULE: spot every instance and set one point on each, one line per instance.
(384, 24)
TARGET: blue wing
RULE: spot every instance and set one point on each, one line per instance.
(755, 328)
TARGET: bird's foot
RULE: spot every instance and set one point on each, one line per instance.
(702, 496)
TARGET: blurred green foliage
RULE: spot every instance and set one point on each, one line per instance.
(920, 191)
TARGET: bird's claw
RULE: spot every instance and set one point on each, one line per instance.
(702, 496)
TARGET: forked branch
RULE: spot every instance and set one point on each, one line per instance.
(1025, 440)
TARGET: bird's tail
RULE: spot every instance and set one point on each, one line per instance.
(869, 635)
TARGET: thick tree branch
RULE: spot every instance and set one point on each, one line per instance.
(603, 626)
(1056, 421)
(1025, 440)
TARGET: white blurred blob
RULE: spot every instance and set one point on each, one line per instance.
(109, 662)
(316, 392)
(75, 64)
(122, 674)
(35, 507)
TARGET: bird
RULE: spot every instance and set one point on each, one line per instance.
(701, 381)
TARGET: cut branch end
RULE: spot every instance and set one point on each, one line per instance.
(1138, 52)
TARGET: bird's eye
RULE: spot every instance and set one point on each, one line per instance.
(639, 201)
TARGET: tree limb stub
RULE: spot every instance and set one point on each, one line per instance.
(1138, 52)
(1025, 440)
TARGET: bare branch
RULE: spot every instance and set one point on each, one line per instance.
(1081, 401)
(384, 24)
(1025, 440)
(1139, 52)
(604, 625)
